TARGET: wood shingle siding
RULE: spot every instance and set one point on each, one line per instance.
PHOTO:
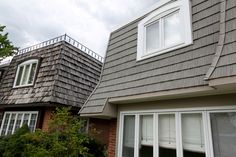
(66, 76)
(186, 67)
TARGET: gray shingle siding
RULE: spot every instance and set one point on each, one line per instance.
(226, 64)
(183, 68)
(66, 76)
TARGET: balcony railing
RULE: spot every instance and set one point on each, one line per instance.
(67, 39)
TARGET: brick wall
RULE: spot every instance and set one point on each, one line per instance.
(105, 132)
(112, 138)
(46, 119)
(99, 128)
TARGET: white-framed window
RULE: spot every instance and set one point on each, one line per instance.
(168, 28)
(25, 73)
(200, 133)
(14, 120)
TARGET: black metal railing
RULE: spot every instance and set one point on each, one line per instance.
(67, 39)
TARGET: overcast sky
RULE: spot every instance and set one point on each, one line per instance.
(88, 21)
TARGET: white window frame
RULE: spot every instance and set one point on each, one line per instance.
(209, 152)
(183, 7)
(22, 118)
(24, 64)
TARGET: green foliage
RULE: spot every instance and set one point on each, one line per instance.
(6, 47)
(63, 139)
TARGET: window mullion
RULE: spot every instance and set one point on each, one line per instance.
(161, 33)
(209, 143)
(179, 145)
(22, 76)
(3, 121)
(136, 136)
(27, 78)
(29, 119)
(13, 129)
(155, 131)
(8, 124)
(22, 119)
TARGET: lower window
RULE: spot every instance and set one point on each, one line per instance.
(178, 134)
(14, 120)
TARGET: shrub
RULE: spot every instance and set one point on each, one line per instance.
(64, 139)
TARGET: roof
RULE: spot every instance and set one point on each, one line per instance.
(188, 67)
(66, 75)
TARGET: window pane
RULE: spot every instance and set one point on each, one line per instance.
(172, 30)
(18, 121)
(167, 135)
(128, 137)
(32, 73)
(19, 76)
(12, 121)
(25, 74)
(223, 126)
(193, 135)
(152, 37)
(4, 127)
(146, 142)
(26, 118)
(32, 122)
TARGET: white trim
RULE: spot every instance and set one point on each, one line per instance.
(24, 64)
(205, 114)
(183, 8)
(157, 5)
(16, 115)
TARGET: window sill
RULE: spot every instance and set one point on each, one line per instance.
(166, 50)
(23, 86)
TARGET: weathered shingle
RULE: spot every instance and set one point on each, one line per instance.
(66, 76)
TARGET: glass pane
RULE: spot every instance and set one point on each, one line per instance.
(172, 30)
(167, 135)
(146, 142)
(152, 37)
(32, 122)
(128, 136)
(19, 76)
(25, 74)
(223, 126)
(26, 118)
(193, 135)
(18, 121)
(4, 127)
(32, 73)
(12, 121)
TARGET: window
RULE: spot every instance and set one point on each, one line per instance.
(14, 120)
(178, 134)
(166, 29)
(26, 73)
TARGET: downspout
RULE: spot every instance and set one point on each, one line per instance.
(220, 45)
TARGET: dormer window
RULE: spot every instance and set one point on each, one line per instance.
(166, 29)
(25, 74)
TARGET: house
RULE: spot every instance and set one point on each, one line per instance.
(167, 87)
(57, 72)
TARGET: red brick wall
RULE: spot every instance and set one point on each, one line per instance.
(46, 119)
(99, 128)
(112, 138)
(104, 131)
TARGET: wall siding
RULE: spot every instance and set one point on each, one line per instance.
(183, 68)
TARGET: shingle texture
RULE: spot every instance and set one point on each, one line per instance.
(66, 76)
(226, 64)
(122, 75)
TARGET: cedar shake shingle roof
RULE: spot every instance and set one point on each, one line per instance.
(66, 75)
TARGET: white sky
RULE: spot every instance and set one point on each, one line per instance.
(88, 21)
